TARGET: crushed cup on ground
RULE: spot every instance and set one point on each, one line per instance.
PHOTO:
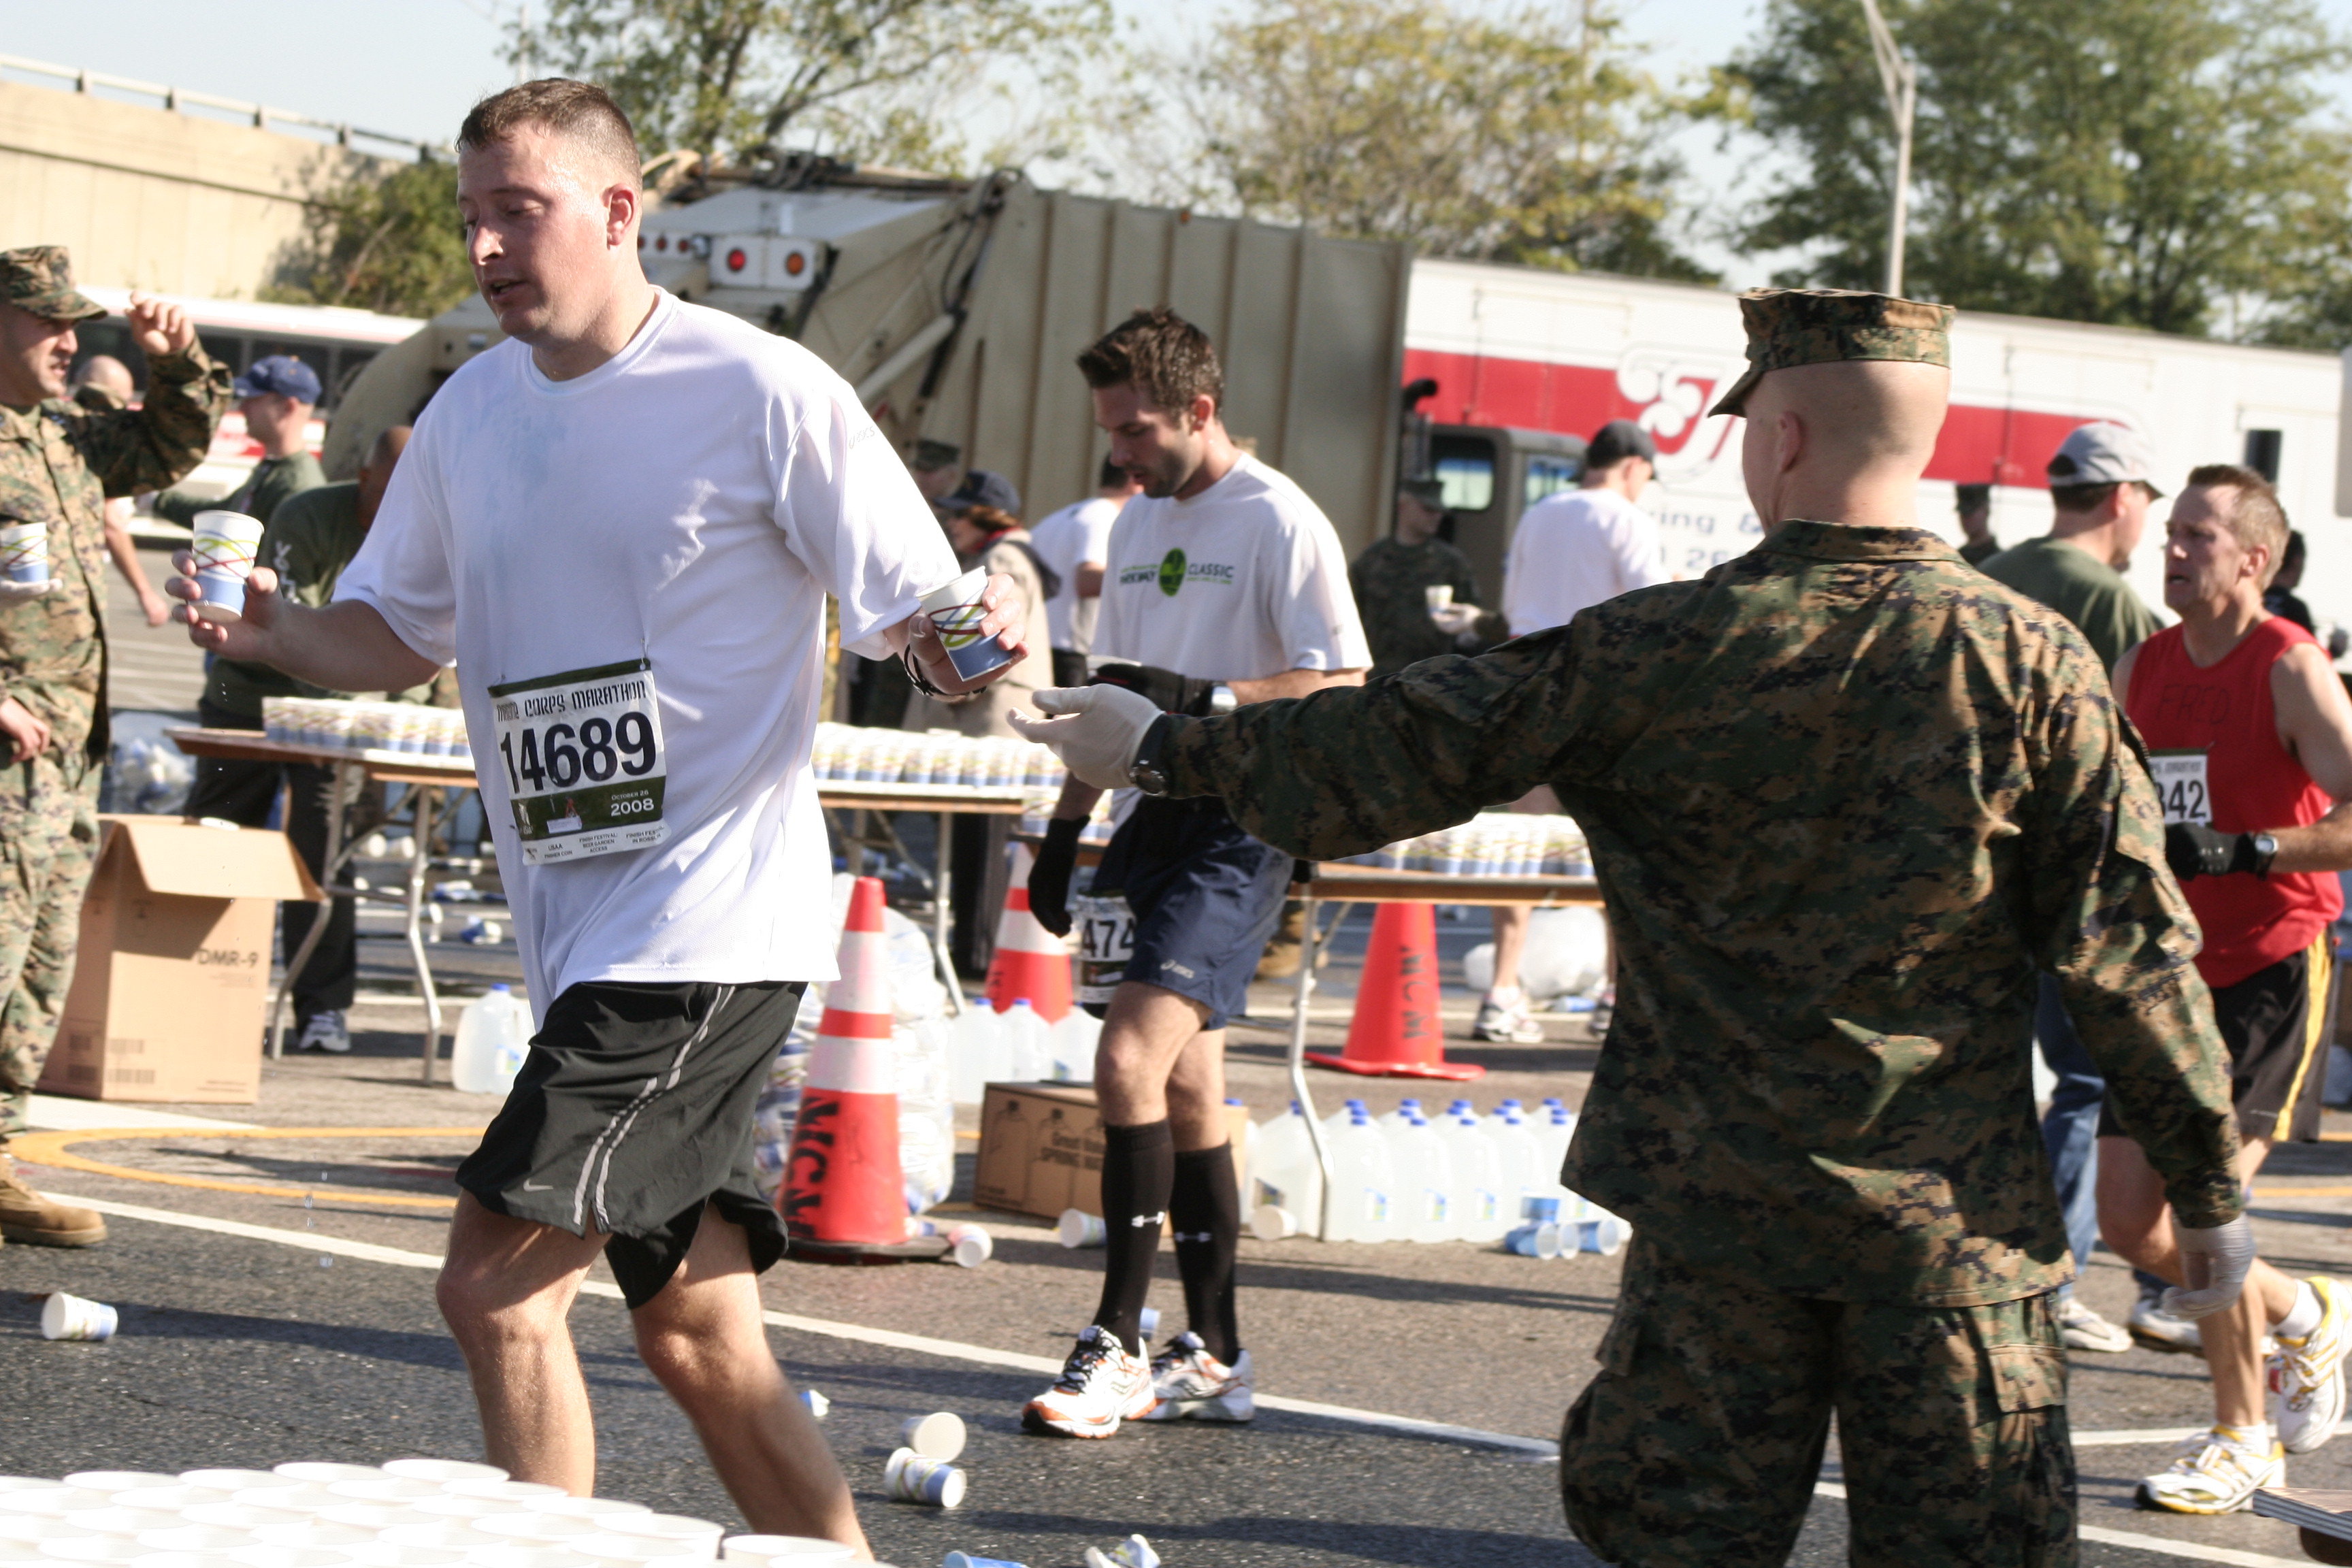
(938, 1435)
(910, 1478)
(1078, 1228)
(787, 1551)
(65, 1317)
(817, 1402)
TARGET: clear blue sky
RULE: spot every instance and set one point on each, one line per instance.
(411, 66)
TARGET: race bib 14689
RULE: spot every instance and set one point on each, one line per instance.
(585, 761)
(2180, 785)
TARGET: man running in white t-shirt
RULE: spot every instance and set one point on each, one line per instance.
(1573, 550)
(1224, 577)
(621, 526)
(1076, 543)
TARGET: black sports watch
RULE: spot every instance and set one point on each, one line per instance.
(2266, 849)
(1144, 772)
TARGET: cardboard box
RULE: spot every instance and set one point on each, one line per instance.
(172, 987)
(1040, 1148)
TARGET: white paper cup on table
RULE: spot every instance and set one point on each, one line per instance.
(290, 1556)
(311, 1498)
(643, 1552)
(169, 1559)
(938, 1435)
(65, 1317)
(210, 1538)
(177, 1499)
(324, 1472)
(117, 1481)
(527, 1554)
(1078, 1228)
(25, 552)
(469, 1509)
(234, 1480)
(440, 1472)
(677, 1527)
(386, 1488)
(586, 1507)
(372, 1515)
(46, 1527)
(381, 1555)
(523, 1490)
(56, 1499)
(457, 1534)
(910, 1478)
(535, 1526)
(95, 1549)
(116, 1519)
(225, 548)
(241, 1512)
(21, 1551)
(785, 1550)
(314, 1532)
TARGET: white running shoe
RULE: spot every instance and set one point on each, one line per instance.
(325, 1031)
(2217, 1472)
(2306, 1375)
(1509, 1023)
(1101, 1386)
(2159, 1329)
(2084, 1330)
(1193, 1385)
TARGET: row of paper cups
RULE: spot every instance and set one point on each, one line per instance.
(410, 727)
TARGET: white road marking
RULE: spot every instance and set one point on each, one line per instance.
(951, 1350)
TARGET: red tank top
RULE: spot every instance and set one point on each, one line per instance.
(2225, 712)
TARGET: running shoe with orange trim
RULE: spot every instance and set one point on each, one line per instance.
(1101, 1386)
(1193, 1385)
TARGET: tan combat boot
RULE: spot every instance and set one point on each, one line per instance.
(26, 1216)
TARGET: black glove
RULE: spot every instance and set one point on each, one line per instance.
(2193, 850)
(1049, 877)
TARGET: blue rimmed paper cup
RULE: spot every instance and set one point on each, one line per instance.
(910, 1478)
(956, 611)
(1077, 1229)
(25, 554)
(966, 1560)
(226, 547)
(938, 1435)
(65, 1317)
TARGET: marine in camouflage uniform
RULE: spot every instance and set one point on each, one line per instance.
(1846, 797)
(1391, 579)
(59, 463)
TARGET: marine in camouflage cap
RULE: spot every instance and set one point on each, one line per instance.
(39, 281)
(1789, 327)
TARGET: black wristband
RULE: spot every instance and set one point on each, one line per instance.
(1144, 772)
(1063, 830)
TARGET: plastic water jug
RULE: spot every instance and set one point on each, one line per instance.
(1408, 1109)
(980, 1056)
(1424, 1177)
(1481, 1211)
(1523, 1176)
(1337, 1121)
(493, 1037)
(1028, 1043)
(1072, 1043)
(1363, 1185)
(1552, 1135)
(1283, 1173)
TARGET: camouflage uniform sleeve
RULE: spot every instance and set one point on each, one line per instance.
(1351, 768)
(2105, 917)
(132, 450)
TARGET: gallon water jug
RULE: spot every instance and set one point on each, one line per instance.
(1552, 1135)
(1072, 1044)
(1424, 1178)
(1283, 1173)
(1028, 1043)
(493, 1036)
(979, 1057)
(1481, 1212)
(1523, 1176)
(1363, 1185)
(1337, 1121)
(1407, 1111)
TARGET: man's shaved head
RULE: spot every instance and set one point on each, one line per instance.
(108, 374)
(579, 113)
(1819, 431)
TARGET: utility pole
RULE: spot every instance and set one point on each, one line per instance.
(1901, 80)
(523, 44)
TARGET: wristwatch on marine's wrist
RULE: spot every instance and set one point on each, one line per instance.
(2266, 849)
(1144, 772)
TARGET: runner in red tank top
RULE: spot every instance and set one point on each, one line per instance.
(2249, 738)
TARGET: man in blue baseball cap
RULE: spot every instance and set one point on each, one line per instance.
(276, 395)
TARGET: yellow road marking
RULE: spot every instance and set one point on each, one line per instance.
(56, 1150)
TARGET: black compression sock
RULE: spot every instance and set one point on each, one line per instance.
(1138, 1170)
(1206, 1207)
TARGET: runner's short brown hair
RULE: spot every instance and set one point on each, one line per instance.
(578, 111)
(2254, 514)
(1168, 359)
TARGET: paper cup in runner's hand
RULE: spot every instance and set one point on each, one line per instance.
(25, 552)
(956, 611)
(225, 545)
(1439, 595)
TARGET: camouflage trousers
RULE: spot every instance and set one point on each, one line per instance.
(1700, 1440)
(49, 841)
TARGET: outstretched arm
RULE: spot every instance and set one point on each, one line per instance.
(346, 646)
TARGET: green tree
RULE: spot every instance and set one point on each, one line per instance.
(1496, 135)
(381, 239)
(2142, 162)
(879, 80)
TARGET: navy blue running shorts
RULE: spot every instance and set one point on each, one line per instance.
(1206, 897)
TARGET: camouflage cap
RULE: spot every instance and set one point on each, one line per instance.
(1789, 327)
(38, 279)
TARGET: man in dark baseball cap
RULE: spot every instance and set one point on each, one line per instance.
(278, 396)
(980, 488)
(39, 281)
(281, 375)
(1616, 441)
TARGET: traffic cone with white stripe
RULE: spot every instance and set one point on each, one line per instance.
(1031, 964)
(843, 1196)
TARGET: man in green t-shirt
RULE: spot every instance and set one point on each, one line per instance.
(311, 539)
(2101, 484)
(277, 397)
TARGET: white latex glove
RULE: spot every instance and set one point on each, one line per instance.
(10, 593)
(1099, 732)
(2216, 1261)
(1455, 619)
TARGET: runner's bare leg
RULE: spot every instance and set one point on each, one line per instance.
(506, 1288)
(704, 1338)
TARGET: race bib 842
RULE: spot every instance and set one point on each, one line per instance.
(585, 761)
(2180, 785)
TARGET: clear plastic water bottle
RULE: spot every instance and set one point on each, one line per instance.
(1481, 1211)
(1424, 1178)
(1363, 1184)
(493, 1037)
(1283, 1173)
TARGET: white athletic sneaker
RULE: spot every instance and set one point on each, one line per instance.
(2084, 1330)
(1510, 1023)
(325, 1031)
(2306, 1375)
(2217, 1473)
(1100, 1386)
(2159, 1329)
(1193, 1385)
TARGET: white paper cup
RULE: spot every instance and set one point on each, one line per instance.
(21, 1551)
(46, 1527)
(381, 1488)
(65, 1317)
(175, 1499)
(231, 1480)
(971, 1246)
(373, 1515)
(1078, 1228)
(441, 1470)
(586, 1507)
(311, 1498)
(817, 1404)
(290, 1557)
(324, 1472)
(1271, 1222)
(455, 1533)
(95, 1549)
(644, 1550)
(225, 548)
(795, 1550)
(675, 1527)
(535, 1526)
(522, 1490)
(240, 1512)
(910, 1478)
(57, 1500)
(119, 1518)
(471, 1508)
(25, 552)
(313, 1532)
(938, 1435)
(521, 1554)
(956, 611)
(174, 1560)
(381, 1554)
(27, 1483)
(1438, 594)
(114, 1481)
(206, 1538)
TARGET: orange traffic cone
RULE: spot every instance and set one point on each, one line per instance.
(1031, 964)
(1396, 1032)
(843, 1196)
